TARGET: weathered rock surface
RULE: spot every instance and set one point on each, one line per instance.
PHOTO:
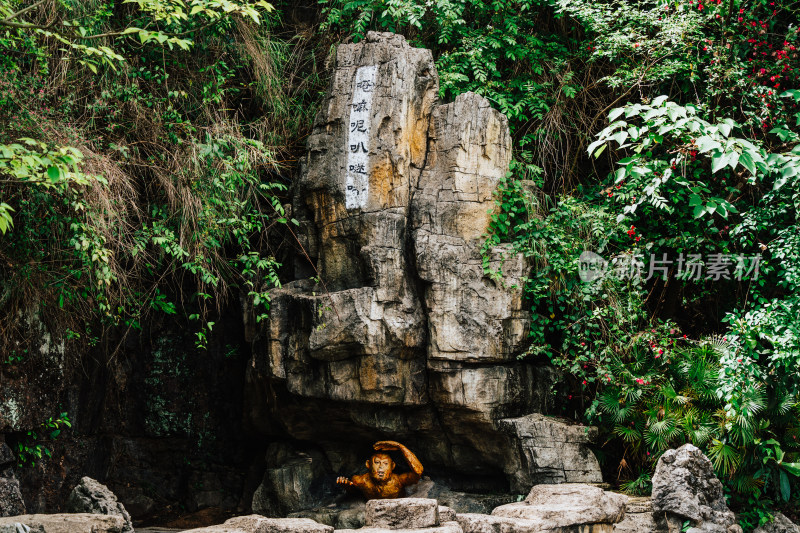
(481, 523)
(18, 527)
(397, 331)
(68, 523)
(446, 514)
(91, 496)
(551, 450)
(638, 516)
(402, 513)
(11, 502)
(294, 480)
(447, 527)
(261, 524)
(780, 524)
(460, 502)
(567, 505)
(686, 488)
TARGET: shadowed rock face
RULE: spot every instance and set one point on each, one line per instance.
(401, 334)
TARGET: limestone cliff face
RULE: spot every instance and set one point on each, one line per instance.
(398, 333)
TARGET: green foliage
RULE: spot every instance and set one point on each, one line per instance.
(32, 448)
(157, 185)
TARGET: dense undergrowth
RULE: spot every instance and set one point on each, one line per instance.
(144, 156)
(145, 146)
(660, 136)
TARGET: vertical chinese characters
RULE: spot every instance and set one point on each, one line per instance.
(357, 182)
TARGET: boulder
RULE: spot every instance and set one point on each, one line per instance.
(551, 450)
(260, 524)
(402, 513)
(69, 523)
(293, 480)
(91, 496)
(567, 505)
(779, 524)
(482, 523)
(11, 502)
(686, 488)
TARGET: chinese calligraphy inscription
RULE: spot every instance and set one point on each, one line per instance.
(357, 182)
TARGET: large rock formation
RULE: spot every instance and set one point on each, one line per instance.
(686, 488)
(393, 328)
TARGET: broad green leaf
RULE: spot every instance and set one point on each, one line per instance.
(54, 174)
(786, 489)
(719, 161)
(746, 159)
(615, 114)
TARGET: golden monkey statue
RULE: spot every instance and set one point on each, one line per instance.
(380, 481)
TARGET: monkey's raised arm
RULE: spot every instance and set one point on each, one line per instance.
(411, 459)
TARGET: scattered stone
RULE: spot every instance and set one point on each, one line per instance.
(402, 513)
(69, 523)
(566, 505)
(780, 524)
(686, 488)
(91, 496)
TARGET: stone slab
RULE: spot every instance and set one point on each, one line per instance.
(402, 513)
(69, 523)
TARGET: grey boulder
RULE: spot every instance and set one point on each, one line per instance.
(567, 505)
(686, 488)
(402, 513)
(90, 496)
(66, 523)
(261, 524)
(779, 524)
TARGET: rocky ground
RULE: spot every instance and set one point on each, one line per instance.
(687, 496)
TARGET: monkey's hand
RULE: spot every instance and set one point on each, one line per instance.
(341, 480)
(387, 445)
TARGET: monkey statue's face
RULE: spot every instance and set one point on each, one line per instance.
(380, 467)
